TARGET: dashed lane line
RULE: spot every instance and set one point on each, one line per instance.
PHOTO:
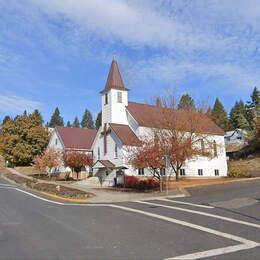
(186, 203)
(202, 213)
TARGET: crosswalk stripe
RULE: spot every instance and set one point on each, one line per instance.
(202, 213)
(186, 203)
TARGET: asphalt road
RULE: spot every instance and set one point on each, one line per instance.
(217, 222)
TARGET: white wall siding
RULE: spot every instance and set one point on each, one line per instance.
(55, 142)
(114, 112)
(208, 165)
(110, 155)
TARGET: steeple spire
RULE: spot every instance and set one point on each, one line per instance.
(114, 79)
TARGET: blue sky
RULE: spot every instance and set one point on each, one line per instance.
(57, 53)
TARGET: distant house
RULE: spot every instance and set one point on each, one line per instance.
(73, 139)
(237, 136)
(235, 141)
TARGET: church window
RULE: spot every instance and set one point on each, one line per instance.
(202, 146)
(215, 148)
(182, 172)
(140, 171)
(116, 151)
(98, 153)
(162, 172)
(119, 97)
(106, 99)
(56, 141)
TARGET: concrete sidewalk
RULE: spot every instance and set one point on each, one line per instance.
(103, 195)
(108, 195)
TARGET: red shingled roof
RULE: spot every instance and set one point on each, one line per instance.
(76, 138)
(114, 79)
(106, 163)
(125, 134)
(151, 116)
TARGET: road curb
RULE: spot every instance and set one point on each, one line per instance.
(44, 193)
(62, 198)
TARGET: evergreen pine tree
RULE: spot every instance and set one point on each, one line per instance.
(68, 124)
(6, 119)
(255, 97)
(186, 102)
(219, 115)
(37, 114)
(56, 119)
(87, 120)
(238, 116)
(98, 122)
(76, 122)
(253, 109)
(242, 123)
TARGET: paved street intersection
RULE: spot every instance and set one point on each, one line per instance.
(220, 222)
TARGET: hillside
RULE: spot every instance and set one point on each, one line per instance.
(250, 166)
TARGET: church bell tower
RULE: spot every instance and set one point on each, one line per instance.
(114, 98)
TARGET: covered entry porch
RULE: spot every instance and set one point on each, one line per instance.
(108, 174)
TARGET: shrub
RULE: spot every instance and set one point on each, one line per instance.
(136, 183)
(237, 173)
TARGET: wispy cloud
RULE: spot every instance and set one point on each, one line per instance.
(15, 104)
(217, 41)
(205, 38)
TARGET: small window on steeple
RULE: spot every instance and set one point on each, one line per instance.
(119, 97)
(106, 99)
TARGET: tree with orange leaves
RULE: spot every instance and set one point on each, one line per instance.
(148, 155)
(179, 134)
(50, 158)
(183, 135)
(76, 160)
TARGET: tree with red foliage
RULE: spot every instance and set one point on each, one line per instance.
(148, 155)
(76, 160)
(183, 135)
(180, 134)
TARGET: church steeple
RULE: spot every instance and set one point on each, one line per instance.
(114, 98)
(114, 79)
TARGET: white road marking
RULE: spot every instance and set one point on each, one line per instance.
(202, 213)
(6, 185)
(214, 252)
(186, 203)
(58, 203)
(245, 243)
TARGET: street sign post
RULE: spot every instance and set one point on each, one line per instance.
(166, 157)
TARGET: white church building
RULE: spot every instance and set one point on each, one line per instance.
(124, 123)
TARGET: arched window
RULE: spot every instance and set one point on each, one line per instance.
(215, 148)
